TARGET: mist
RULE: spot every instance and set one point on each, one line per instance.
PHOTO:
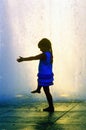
(22, 25)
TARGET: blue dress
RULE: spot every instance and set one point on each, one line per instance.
(45, 74)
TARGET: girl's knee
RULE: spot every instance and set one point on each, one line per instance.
(47, 92)
(46, 89)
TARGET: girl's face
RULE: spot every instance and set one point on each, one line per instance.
(43, 49)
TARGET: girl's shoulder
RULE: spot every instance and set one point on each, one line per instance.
(49, 56)
(48, 53)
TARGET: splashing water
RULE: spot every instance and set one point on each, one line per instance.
(22, 25)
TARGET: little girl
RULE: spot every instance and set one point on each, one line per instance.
(45, 74)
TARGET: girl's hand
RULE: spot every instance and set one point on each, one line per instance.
(20, 59)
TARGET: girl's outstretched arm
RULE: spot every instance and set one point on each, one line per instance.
(37, 57)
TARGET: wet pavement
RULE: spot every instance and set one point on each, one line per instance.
(67, 116)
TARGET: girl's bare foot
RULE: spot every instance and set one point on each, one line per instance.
(36, 91)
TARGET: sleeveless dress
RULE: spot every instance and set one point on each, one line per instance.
(45, 74)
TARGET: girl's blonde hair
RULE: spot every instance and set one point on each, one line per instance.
(45, 43)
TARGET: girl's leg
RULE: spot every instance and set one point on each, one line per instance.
(49, 99)
(37, 90)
